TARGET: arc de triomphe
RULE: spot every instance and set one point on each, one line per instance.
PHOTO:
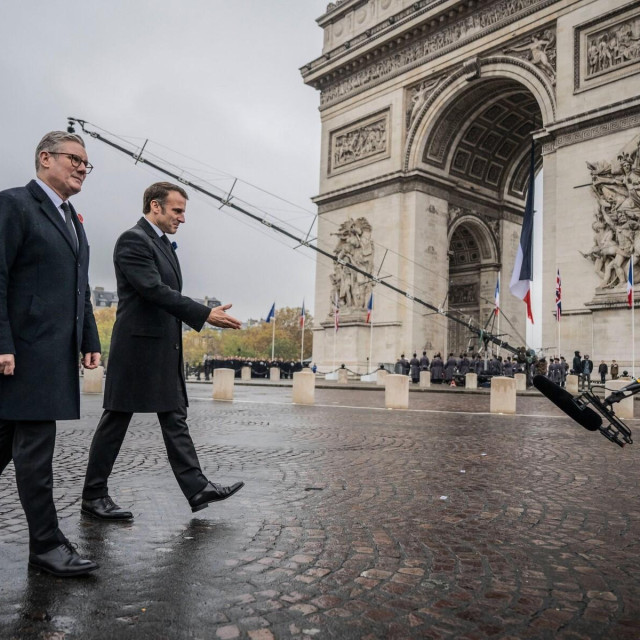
(428, 112)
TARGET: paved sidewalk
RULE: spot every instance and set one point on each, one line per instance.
(356, 522)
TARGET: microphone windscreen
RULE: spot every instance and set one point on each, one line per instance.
(584, 416)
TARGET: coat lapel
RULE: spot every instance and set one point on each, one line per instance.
(166, 250)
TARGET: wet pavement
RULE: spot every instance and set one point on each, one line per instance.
(355, 522)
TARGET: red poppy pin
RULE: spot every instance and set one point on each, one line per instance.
(80, 218)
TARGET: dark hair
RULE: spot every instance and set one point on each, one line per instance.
(159, 192)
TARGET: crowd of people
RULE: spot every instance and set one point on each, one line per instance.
(259, 367)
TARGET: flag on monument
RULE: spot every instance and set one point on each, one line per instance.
(496, 302)
(370, 307)
(336, 313)
(520, 285)
(558, 297)
(630, 284)
(302, 316)
(272, 313)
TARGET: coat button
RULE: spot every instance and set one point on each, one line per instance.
(177, 346)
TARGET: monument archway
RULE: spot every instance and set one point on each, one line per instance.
(428, 112)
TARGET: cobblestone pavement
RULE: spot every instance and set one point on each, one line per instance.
(356, 522)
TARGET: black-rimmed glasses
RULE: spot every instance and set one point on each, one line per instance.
(76, 161)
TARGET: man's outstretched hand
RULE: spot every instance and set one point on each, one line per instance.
(218, 318)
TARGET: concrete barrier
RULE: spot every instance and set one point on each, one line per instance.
(92, 380)
(304, 387)
(381, 375)
(521, 381)
(503, 395)
(572, 384)
(223, 380)
(245, 373)
(471, 381)
(343, 376)
(274, 373)
(425, 379)
(396, 391)
(624, 408)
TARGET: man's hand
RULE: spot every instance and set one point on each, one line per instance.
(218, 318)
(7, 364)
(91, 360)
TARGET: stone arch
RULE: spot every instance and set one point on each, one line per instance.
(487, 245)
(473, 75)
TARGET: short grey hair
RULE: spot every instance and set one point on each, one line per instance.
(52, 142)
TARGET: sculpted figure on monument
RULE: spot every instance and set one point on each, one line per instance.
(613, 47)
(540, 50)
(616, 187)
(354, 247)
(418, 96)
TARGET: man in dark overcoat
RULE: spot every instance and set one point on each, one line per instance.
(45, 317)
(146, 372)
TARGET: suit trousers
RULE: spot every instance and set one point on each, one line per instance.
(30, 444)
(108, 439)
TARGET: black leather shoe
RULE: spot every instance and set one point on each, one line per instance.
(212, 493)
(63, 561)
(105, 509)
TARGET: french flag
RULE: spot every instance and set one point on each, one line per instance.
(630, 284)
(302, 316)
(369, 307)
(520, 285)
(272, 313)
(496, 303)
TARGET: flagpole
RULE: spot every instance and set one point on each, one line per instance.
(302, 345)
(371, 345)
(335, 338)
(633, 323)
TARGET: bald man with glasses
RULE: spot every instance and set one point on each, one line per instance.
(45, 316)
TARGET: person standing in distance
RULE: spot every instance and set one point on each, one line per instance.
(146, 372)
(45, 316)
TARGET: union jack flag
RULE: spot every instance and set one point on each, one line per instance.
(558, 297)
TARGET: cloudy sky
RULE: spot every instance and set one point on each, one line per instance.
(214, 86)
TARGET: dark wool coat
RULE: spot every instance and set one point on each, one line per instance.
(145, 373)
(46, 318)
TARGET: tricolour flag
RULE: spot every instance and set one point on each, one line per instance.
(630, 283)
(272, 313)
(496, 302)
(336, 312)
(302, 316)
(370, 307)
(558, 297)
(520, 285)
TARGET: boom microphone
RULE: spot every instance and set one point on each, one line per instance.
(573, 407)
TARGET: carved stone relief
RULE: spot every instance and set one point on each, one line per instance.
(616, 188)
(453, 35)
(540, 50)
(366, 140)
(355, 246)
(608, 48)
(417, 96)
(463, 294)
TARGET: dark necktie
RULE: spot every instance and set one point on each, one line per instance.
(166, 241)
(69, 222)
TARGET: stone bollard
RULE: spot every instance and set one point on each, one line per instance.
(471, 381)
(381, 375)
(343, 376)
(572, 384)
(223, 380)
(92, 380)
(304, 387)
(245, 373)
(624, 408)
(274, 373)
(521, 381)
(425, 379)
(503, 395)
(396, 391)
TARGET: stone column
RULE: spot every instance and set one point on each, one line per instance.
(521, 381)
(381, 375)
(396, 391)
(572, 384)
(624, 408)
(425, 379)
(223, 380)
(503, 395)
(274, 373)
(471, 381)
(92, 380)
(343, 376)
(245, 373)
(304, 387)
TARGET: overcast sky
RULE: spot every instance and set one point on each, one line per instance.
(214, 80)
